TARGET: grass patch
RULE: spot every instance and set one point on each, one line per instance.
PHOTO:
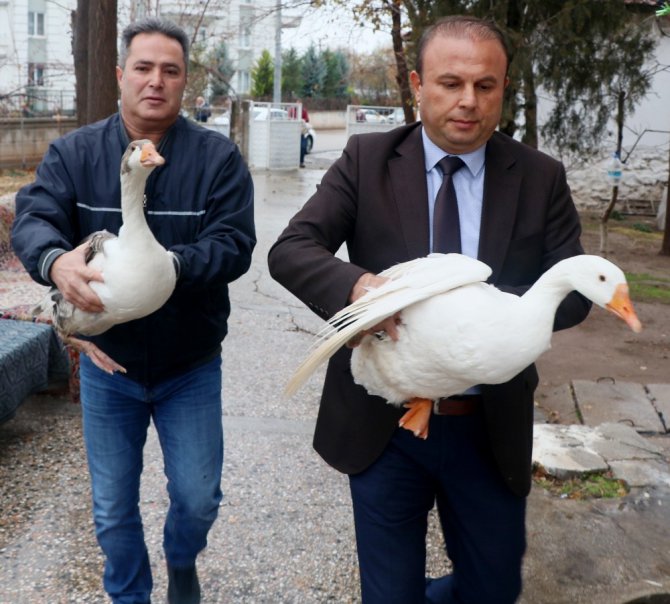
(649, 288)
(589, 486)
(11, 180)
(641, 231)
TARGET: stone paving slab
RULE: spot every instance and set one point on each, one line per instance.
(557, 404)
(642, 474)
(625, 402)
(661, 395)
(569, 451)
(560, 451)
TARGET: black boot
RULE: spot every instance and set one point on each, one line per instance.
(183, 585)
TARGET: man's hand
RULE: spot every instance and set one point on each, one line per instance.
(389, 325)
(72, 275)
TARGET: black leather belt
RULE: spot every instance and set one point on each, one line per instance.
(465, 404)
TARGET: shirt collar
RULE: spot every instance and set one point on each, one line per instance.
(433, 154)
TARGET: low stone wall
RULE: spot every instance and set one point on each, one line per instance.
(328, 120)
(23, 142)
(645, 176)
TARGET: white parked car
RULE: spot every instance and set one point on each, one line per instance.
(311, 137)
(261, 113)
(223, 119)
(370, 115)
(397, 117)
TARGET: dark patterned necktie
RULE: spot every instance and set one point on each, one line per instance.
(446, 227)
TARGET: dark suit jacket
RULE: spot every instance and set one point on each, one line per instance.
(374, 199)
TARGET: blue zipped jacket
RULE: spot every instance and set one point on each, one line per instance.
(199, 205)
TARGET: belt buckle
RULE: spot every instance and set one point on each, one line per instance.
(436, 406)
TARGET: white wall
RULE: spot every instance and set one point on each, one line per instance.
(59, 70)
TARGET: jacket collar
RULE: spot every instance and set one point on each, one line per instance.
(411, 192)
(502, 182)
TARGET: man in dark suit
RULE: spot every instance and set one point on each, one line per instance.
(516, 214)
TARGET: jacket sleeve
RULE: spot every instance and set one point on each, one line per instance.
(43, 226)
(223, 246)
(563, 241)
(303, 259)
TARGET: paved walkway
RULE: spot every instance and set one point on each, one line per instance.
(285, 533)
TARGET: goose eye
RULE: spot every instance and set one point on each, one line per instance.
(602, 278)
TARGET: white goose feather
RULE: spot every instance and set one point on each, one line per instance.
(455, 330)
(138, 272)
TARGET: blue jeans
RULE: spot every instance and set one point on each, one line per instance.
(303, 148)
(186, 411)
(482, 521)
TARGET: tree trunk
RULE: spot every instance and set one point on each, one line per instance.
(529, 106)
(665, 247)
(80, 56)
(615, 189)
(604, 218)
(402, 75)
(513, 20)
(102, 60)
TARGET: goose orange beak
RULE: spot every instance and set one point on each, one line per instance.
(622, 307)
(150, 157)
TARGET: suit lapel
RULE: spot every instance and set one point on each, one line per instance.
(502, 182)
(411, 193)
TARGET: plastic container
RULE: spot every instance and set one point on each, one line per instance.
(615, 170)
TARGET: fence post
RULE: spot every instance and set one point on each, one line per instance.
(239, 123)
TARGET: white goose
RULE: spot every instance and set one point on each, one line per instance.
(456, 331)
(138, 272)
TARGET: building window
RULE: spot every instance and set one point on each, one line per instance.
(243, 82)
(35, 23)
(245, 36)
(35, 74)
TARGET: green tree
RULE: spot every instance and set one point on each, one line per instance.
(372, 78)
(262, 77)
(389, 14)
(291, 74)
(198, 78)
(221, 70)
(313, 73)
(337, 71)
(605, 62)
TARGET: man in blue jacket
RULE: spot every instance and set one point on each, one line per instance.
(200, 207)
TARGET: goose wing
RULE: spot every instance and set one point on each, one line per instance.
(409, 282)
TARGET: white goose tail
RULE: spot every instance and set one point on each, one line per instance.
(410, 282)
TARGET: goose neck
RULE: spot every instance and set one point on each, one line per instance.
(132, 201)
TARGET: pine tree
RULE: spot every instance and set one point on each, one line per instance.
(291, 75)
(337, 70)
(313, 73)
(262, 76)
(221, 70)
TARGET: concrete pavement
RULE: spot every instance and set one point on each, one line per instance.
(285, 533)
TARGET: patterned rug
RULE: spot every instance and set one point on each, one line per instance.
(19, 293)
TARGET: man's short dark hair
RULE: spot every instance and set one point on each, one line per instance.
(461, 26)
(152, 25)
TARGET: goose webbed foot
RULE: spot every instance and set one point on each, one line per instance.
(417, 417)
(97, 356)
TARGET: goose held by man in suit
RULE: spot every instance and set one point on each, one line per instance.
(454, 330)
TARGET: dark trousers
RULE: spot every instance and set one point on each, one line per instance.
(482, 521)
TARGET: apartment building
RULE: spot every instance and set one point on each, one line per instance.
(36, 64)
